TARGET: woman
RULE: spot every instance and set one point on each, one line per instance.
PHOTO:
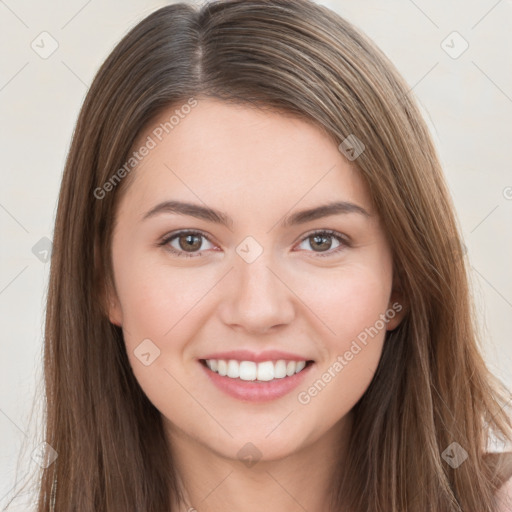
(258, 298)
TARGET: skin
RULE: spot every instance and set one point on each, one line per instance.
(504, 497)
(257, 167)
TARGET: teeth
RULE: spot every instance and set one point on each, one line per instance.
(249, 370)
(290, 368)
(222, 367)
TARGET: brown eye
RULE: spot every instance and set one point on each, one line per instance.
(186, 243)
(190, 242)
(321, 242)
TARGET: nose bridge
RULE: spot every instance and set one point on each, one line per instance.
(255, 279)
(259, 300)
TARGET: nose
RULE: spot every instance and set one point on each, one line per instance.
(256, 298)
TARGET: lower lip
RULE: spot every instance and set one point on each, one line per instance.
(252, 391)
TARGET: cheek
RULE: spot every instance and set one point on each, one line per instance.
(350, 303)
(348, 300)
(161, 311)
(157, 300)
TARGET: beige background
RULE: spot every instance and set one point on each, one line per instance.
(467, 102)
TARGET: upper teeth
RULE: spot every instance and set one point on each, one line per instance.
(249, 370)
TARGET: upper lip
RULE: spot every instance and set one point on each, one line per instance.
(247, 355)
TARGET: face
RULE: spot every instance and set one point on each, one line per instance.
(250, 271)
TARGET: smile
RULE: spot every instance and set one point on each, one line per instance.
(251, 371)
(252, 381)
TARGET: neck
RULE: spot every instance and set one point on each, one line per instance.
(211, 482)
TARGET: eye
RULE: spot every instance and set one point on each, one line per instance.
(323, 241)
(187, 244)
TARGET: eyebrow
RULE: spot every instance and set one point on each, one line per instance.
(218, 217)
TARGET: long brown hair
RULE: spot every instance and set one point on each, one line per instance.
(432, 387)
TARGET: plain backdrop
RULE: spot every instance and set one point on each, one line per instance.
(462, 80)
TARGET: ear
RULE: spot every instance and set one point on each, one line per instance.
(109, 300)
(397, 307)
(114, 311)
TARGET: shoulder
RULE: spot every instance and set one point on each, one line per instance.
(504, 497)
(503, 461)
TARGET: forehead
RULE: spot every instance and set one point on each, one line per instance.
(222, 152)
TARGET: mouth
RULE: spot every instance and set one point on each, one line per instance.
(251, 381)
(265, 371)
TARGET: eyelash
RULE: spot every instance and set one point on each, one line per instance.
(183, 254)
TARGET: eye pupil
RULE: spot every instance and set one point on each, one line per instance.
(189, 244)
(321, 239)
